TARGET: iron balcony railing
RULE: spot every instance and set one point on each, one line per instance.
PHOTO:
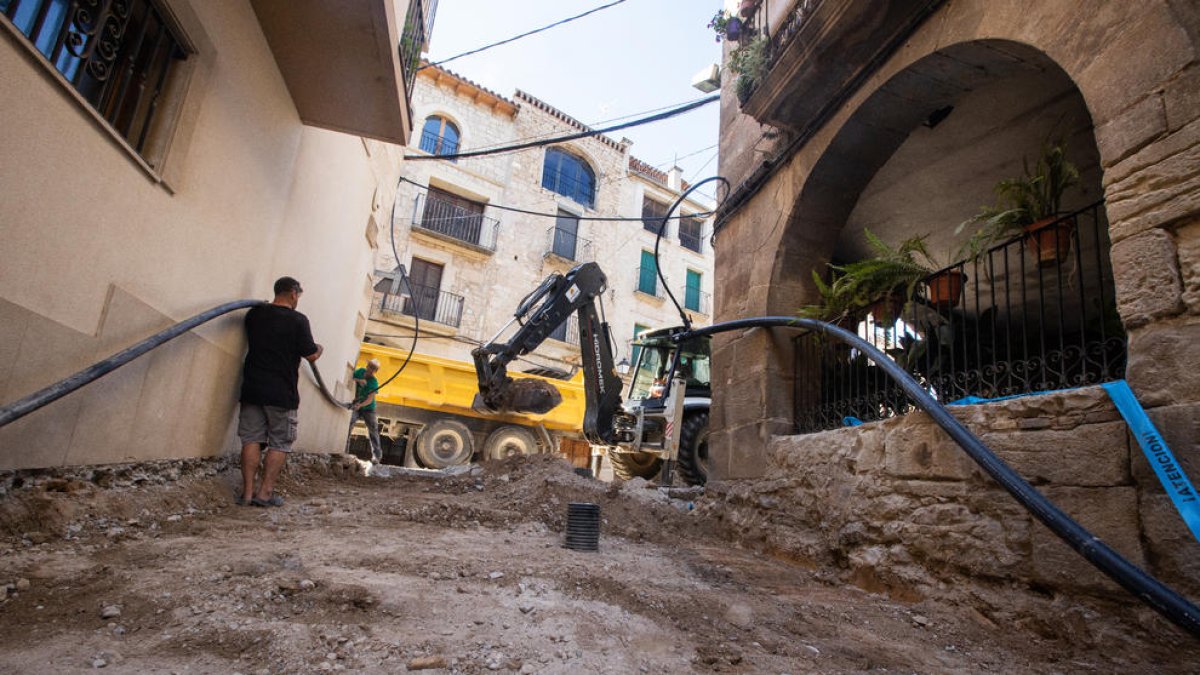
(697, 300)
(452, 220)
(437, 144)
(568, 245)
(568, 331)
(412, 41)
(646, 281)
(1036, 313)
(425, 303)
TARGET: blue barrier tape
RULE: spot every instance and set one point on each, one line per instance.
(1166, 467)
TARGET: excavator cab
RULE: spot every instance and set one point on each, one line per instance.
(659, 360)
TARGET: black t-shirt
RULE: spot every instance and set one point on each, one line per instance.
(279, 337)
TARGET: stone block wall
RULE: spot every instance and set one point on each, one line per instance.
(897, 506)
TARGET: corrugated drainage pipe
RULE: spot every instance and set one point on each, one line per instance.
(1165, 600)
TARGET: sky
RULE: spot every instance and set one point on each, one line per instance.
(631, 58)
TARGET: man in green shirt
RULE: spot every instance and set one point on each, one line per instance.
(365, 386)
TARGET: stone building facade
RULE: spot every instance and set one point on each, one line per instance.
(449, 228)
(901, 117)
(270, 148)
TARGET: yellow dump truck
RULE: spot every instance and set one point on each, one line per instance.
(426, 419)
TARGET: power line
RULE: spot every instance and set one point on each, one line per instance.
(702, 214)
(570, 137)
(523, 35)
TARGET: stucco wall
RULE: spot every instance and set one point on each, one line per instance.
(96, 255)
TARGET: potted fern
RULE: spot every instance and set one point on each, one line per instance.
(749, 62)
(1028, 204)
(884, 283)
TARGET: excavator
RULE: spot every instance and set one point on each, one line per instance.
(660, 429)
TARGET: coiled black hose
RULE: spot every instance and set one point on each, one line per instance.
(1162, 598)
(18, 409)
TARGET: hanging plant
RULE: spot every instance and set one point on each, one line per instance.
(726, 27)
(749, 62)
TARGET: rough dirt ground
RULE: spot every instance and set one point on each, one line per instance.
(466, 573)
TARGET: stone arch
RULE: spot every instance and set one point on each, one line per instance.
(1142, 104)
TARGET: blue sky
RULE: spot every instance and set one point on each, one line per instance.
(627, 59)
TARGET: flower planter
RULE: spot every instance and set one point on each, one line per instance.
(1051, 244)
(733, 29)
(746, 9)
(945, 289)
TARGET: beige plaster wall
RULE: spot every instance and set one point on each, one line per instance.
(95, 255)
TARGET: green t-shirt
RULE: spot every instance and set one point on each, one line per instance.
(362, 391)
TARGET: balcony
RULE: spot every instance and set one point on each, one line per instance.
(646, 281)
(696, 300)
(426, 304)
(818, 51)
(454, 222)
(1033, 314)
(568, 246)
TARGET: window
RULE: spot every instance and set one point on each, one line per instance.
(691, 291)
(652, 214)
(426, 280)
(638, 329)
(569, 176)
(566, 235)
(440, 136)
(120, 57)
(648, 274)
(453, 216)
(690, 233)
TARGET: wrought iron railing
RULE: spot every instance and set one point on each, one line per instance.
(437, 144)
(117, 55)
(697, 300)
(568, 331)
(425, 303)
(455, 221)
(568, 245)
(645, 280)
(691, 241)
(412, 41)
(1035, 313)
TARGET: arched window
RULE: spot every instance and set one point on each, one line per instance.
(440, 136)
(569, 176)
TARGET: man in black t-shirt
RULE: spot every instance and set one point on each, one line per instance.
(279, 337)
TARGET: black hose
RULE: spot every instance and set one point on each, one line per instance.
(18, 409)
(1162, 598)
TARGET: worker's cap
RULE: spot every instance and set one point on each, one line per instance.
(373, 363)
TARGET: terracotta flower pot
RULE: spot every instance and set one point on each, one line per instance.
(945, 289)
(1050, 243)
(746, 9)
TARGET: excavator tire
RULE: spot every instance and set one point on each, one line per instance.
(693, 449)
(630, 465)
(508, 441)
(444, 443)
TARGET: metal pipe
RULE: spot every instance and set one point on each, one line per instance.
(1162, 598)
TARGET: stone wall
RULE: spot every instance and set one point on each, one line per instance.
(897, 506)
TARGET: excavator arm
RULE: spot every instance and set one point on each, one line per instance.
(540, 313)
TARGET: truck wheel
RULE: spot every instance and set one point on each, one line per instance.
(630, 465)
(508, 441)
(693, 449)
(444, 443)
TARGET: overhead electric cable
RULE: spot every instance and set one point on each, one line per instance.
(570, 137)
(523, 35)
(617, 219)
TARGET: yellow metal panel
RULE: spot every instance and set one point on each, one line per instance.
(449, 386)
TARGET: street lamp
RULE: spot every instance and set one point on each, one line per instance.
(623, 367)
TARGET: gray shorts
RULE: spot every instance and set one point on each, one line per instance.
(273, 426)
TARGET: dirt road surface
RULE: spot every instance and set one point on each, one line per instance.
(467, 574)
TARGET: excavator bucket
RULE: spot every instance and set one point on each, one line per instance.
(524, 396)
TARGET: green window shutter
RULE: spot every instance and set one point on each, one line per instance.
(648, 274)
(691, 295)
